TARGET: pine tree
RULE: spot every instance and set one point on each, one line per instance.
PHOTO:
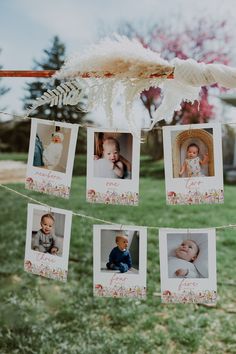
(53, 60)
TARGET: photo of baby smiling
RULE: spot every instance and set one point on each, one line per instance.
(187, 256)
(47, 235)
(187, 251)
(45, 241)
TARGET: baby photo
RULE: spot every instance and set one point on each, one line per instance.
(48, 241)
(120, 251)
(187, 255)
(120, 256)
(193, 164)
(51, 157)
(188, 265)
(113, 159)
(192, 153)
(113, 155)
(48, 232)
(51, 147)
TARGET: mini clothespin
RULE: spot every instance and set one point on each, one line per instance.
(190, 130)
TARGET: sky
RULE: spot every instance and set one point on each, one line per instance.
(27, 27)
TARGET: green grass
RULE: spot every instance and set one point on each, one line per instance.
(39, 315)
(18, 156)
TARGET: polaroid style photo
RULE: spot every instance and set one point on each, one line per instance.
(112, 167)
(193, 164)
(188, 265)
(48, 242)
(51, 157)
(120, 261)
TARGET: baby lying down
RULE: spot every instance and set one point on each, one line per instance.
(181, 265)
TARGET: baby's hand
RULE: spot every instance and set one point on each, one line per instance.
(54, 250)
(181, 272)
(96, 157)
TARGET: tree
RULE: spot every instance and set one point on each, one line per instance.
(54, 58)
(3, 89)
(203, 41)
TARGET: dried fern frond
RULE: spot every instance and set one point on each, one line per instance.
(67, 93)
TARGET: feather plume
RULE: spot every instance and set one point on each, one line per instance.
(119, 57)
(124, 65)
(114, 65)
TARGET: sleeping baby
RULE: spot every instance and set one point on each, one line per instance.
(181, 265)
(52, 153)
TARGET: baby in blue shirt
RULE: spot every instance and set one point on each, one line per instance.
(120, 258)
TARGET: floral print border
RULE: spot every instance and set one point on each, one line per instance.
(47, 187)
(213, 196)
(205, 296)
(112, 197)
(120, 291)
(45, 271)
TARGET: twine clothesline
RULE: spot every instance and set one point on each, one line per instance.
(95, 126)
(79, 125)
(50, 207)
(222, 227)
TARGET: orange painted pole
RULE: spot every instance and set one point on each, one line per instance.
(26, 73)
(50, 73)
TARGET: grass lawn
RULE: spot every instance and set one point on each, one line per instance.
(39, 315)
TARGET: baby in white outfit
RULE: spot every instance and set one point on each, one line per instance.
(192, 165)
(109, 165)
(181, 266)
(52, 153)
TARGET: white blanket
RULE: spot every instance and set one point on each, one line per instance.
(52, 155)
(175, 263)
(103, 168)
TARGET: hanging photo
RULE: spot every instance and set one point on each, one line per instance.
(188, 265)
(47, 242)
(112, 167)
(193, 164)
(51, 157)
(120, 256)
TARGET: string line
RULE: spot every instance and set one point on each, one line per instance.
(50, 207)
(102, 220)
(86, 125)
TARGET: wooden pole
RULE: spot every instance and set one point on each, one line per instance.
(26, 73)
(50, 73)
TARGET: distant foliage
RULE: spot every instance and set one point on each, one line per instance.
(14, 136)
(3, 89)
(203, 41)
(54, 58)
